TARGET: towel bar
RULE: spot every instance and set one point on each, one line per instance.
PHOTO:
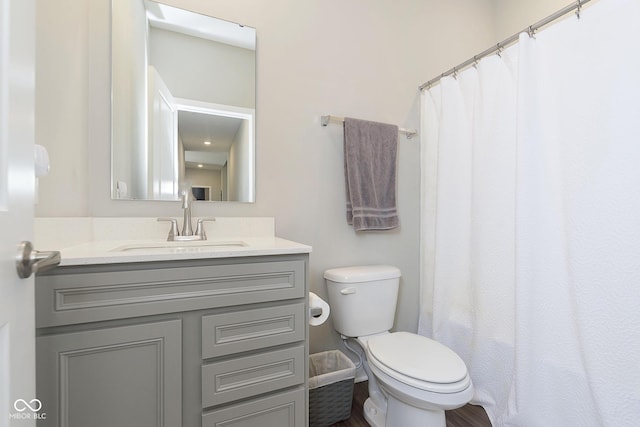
(325, 120)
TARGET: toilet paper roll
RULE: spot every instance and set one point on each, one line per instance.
(318, 310)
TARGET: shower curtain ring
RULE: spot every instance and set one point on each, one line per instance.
(499, 50)
(579, 8)
(531, 32)
(475, 61)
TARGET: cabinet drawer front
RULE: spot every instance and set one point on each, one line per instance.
(281, 410)
(70, 296)
(252, 329)
(249, 376)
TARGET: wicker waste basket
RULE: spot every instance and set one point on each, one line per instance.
(331, 377)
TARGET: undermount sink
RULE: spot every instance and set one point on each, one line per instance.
(180, 246)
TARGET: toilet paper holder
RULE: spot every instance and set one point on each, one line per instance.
(318, 310)
(315, 312)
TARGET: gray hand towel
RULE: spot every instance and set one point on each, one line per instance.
(370, 153)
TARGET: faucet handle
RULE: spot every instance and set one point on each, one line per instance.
(200, 227)
(173, 231)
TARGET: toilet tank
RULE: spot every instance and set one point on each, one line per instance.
(363, 298)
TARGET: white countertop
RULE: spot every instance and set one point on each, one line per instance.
(125, 251)
(91, 240)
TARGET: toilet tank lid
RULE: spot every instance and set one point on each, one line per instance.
(363, 273)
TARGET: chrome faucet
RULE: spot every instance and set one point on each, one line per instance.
(187, 229)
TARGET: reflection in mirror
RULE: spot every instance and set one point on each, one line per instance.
(183, 104)
(218, 152)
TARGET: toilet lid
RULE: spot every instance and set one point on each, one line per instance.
(418, 357)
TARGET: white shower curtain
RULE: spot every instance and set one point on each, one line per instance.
(531, 222)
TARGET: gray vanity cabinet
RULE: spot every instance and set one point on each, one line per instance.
(215, 342)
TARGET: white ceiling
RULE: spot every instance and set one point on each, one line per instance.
(197, 25)
(194, 128)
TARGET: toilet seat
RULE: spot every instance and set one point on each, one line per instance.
(418, 362)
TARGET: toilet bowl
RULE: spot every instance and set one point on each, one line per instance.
(412, 379)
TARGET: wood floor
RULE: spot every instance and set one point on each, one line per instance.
(467, 416)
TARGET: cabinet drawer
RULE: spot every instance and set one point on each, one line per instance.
(281, 410)
(248, 376)
(67, 296)
(247, 330)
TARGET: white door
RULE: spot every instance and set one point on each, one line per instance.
(163, 139)
(18, 404)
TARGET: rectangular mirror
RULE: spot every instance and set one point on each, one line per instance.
(182, 104)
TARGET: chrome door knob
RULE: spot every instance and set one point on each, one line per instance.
(29, 261)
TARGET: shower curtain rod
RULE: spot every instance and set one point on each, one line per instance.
(325, 120)
(531, 29)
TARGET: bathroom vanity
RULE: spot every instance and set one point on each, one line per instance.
(175, 338)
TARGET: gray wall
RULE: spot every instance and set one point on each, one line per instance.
(512, 16)
(194, 68)
(351, 58)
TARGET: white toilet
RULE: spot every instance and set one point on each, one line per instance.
(412, 379)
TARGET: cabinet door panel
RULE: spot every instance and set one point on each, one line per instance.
(124, 376)
(281, 410)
